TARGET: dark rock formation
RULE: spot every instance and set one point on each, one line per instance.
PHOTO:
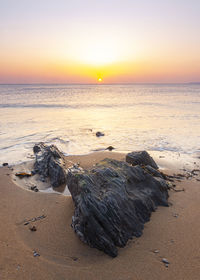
(141, 158)
(5, 164)
(112, 202)
(49, 163)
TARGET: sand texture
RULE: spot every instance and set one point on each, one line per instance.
(173, 233)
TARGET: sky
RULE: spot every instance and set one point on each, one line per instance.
(82, 41)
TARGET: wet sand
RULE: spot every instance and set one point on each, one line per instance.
(174, 231)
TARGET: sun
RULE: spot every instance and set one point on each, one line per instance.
(99, 80)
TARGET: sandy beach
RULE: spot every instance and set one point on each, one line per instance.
(173, 233)
(99, 140)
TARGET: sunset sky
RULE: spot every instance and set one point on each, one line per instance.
(45, 41)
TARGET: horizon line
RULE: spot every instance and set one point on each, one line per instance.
(122, 83)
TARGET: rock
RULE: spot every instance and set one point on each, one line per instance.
(110, 148)
(141, 158)
(99, 134)
(156, 251)
(35, 254)
(33, 228)
(49, 163)
(34, 188)
(175, 215)
(36, 149)
(112, 201)
(165, 261)
(5, 164)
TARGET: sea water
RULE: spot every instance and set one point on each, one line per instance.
(153, 117)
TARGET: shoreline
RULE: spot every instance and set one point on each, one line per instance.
(172, 233)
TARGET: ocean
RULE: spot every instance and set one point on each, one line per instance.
(153, 117)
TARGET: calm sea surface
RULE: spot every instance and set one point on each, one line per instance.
(133, 117)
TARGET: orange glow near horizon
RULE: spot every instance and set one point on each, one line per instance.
(39, 71)
(67, 44)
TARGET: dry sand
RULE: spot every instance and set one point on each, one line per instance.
(64, 256)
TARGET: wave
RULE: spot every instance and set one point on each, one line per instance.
(80, 106)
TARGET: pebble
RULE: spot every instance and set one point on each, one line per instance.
(35, 254)
(156, 251)
(165, 261)
(110, 148)
(34, 188)
(99, 134)
(175, 215)
(33, 228)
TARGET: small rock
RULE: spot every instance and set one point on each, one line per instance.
(26, 223)
(156, 251)
(99, 134)
(34, 188)
(33, 228)
(18, 267)
(175, 215)
(165, 261)
(74, 259)
(110, 148)
(5, 164)
(35, 254)
(36, 149)
(166, 265)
